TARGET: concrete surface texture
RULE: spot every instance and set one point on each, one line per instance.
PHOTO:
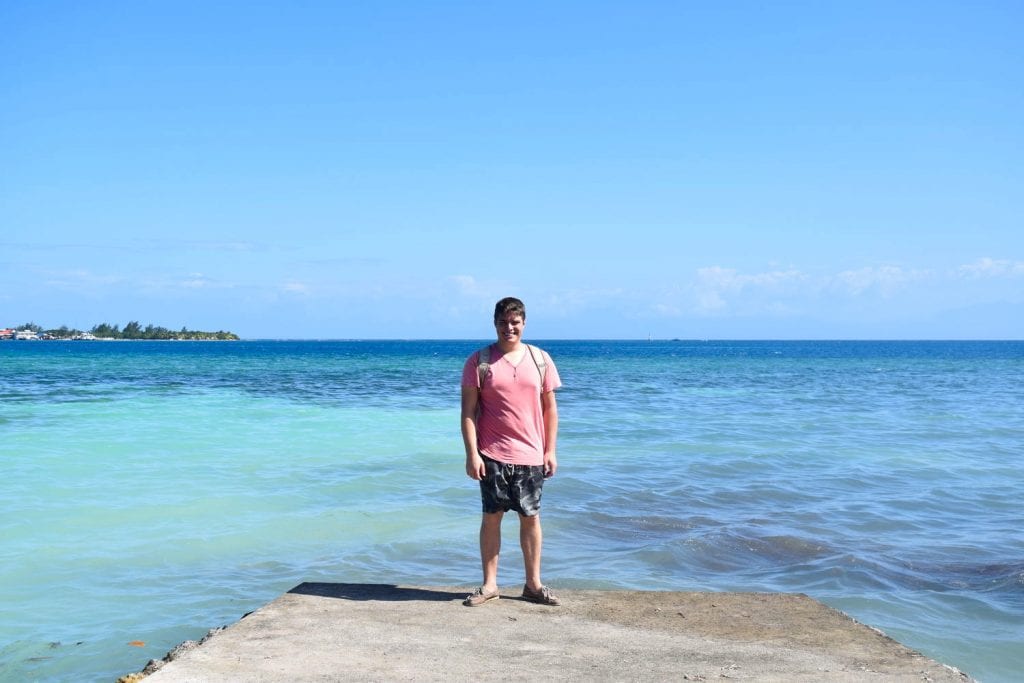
(361, 632)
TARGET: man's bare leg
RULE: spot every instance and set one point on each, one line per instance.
(531, 538)
(490, 548)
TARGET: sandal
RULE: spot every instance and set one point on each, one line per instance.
(478, 597)
(541, 597)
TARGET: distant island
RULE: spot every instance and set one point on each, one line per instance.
(133, 330)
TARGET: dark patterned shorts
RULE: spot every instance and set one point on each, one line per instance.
(511, 487)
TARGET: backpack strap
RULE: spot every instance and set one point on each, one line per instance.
(542, 365)
(483, 363)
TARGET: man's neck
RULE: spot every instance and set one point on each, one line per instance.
(511, 347)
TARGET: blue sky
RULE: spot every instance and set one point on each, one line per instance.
(390, 169)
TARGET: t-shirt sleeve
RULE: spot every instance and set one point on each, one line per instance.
(551, 379)
(470, 376)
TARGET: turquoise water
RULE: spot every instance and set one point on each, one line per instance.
(153, 490)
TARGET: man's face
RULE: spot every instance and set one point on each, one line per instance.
(509, 327)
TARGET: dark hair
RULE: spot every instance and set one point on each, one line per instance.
(509, 304)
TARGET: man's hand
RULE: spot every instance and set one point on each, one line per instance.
(475, 467)
(550, 465)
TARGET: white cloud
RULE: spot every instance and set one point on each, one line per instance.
(666, 310)
(716, 277)
(466, 284)
(211, 246)
(195, 281)
(788, 291)
(78, 278)
(710, 300)
(186, 282)
(469, 293)
(296, 288)
(885, 279)
(715, 285)
(989, 267)
(730, 279)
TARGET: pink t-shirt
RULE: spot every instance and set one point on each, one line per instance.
(510, 424)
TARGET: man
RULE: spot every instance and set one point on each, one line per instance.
(509, 429)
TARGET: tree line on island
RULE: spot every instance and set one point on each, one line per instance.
(133, 330)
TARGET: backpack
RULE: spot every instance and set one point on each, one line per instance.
(484, 362)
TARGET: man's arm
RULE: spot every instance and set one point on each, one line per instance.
(474, 463)
(550, 408)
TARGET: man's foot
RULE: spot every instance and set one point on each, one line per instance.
(542, 596)
(479, 597)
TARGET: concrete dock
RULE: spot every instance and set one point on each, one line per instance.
(361, 632)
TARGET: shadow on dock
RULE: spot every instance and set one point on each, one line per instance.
(383, 592)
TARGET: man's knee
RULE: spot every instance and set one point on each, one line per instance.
(529, 520)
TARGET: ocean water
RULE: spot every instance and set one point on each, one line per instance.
(150, 491)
